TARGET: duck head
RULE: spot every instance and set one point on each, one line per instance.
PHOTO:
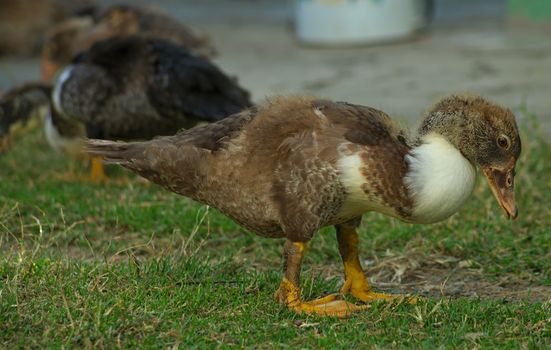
(487, 135)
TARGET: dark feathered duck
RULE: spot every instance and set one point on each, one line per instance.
(293, 165)
(78, 34)
(20, 105)
(136, 87)
(129, 88)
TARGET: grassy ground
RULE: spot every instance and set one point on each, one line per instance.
(129, 264)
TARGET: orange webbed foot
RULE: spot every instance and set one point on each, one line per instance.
(329, 305)
(360, 289)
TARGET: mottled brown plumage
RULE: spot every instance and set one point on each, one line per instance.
(78, 34)
(293, 165)
(280, 159)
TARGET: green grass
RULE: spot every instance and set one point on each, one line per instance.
(132, 265)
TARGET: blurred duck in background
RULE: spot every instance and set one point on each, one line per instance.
(24, 23)
(79, 33)
(125, 88)
(18, 107)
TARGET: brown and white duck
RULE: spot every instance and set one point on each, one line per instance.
(294, 165)
(129, 88)
(23, 24)
(79, 33)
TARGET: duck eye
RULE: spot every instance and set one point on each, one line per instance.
(503, 141)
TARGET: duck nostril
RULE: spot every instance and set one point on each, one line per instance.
(509, 180)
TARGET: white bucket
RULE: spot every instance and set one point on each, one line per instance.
(358, 21)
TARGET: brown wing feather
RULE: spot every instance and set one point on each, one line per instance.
(273, 169)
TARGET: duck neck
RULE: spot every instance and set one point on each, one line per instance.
(439, 180)
(62, 134)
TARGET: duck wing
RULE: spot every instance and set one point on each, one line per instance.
(187, 85)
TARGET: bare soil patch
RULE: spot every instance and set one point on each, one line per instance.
(440, 276)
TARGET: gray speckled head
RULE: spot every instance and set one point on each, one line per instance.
(484, 132)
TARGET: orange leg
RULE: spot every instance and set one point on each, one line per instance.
(289, 290)
(356, 283)
(98, 173)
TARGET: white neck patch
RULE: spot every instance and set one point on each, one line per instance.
(58, 86)
(440, 179)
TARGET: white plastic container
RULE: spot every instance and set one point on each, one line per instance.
(329, 22)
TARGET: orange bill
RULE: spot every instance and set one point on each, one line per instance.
(49, 69)
(502, 183)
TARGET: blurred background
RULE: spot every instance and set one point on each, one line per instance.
(399, 59)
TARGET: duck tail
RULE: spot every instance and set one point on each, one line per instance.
(115, 152)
